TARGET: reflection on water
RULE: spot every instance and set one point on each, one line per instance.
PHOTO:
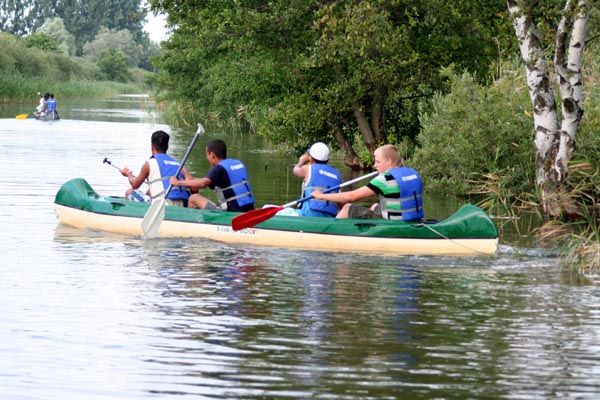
(91, 315)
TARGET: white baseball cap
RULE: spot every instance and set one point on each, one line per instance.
(319, 151)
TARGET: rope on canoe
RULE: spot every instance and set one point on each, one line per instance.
(452, 240)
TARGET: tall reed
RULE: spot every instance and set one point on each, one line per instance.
(19, 89)
(579, 240)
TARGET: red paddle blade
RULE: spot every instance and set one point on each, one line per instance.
(253, 217)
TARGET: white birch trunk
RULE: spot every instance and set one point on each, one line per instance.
(545, 119)
(554, 147)
(568, 75)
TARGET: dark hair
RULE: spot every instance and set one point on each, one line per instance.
(218, 147)
(160, 141)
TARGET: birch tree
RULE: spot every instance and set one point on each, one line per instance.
(554, 140)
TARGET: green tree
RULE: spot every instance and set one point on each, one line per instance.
(55, 27)
(555, 133)
(474, 131)
(42, 41)
(113, 65)
(122, 40)
(350, 73)
(82, 18)
(18, 17)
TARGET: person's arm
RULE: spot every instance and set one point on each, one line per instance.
(193, 183)
(302, 166)
(188, 176)
(136, 181)
(344, 197)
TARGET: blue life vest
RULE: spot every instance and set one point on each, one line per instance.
(239, 184)
(323, 177)
(168, 166)
(411, 192)
(51, 105)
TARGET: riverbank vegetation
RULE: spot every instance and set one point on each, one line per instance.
(350, 73)
(24, 71)
(80, 50)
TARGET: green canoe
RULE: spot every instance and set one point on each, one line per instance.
(469, 231)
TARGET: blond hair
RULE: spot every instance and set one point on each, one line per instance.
(390, 152)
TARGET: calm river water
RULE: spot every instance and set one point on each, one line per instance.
(90, 315)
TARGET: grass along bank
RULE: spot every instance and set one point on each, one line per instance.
(16, 88)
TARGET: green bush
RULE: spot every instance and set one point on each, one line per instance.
(34, 62)
(475, 131)
(42, 41)
(10, 45)
(113, 65)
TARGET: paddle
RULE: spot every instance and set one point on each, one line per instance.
(253, 217)
(22, 116)
(107, 161)
(156, 213)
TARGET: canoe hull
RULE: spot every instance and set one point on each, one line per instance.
(79, 206)
(51, 116)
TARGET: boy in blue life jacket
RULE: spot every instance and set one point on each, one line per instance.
(312, 167)
(228, 177)
(156, 172)
(400, 191)
(52, 107)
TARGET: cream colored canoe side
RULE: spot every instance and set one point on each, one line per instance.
(277, 238)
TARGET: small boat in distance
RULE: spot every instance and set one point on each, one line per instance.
(468, 232)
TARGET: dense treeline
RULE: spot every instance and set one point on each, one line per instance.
(26, 70)
(73, 44)
(82, 28)
(352, 73)
(82, 18)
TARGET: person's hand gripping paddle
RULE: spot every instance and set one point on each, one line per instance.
(253, 217)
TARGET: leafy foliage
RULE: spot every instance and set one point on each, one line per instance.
(24, 71)
(42, 41)
(17, 58)
(474, 131)
(55, 27)
(113, 65)
(350, 73)
(82, 18)
(121, 40)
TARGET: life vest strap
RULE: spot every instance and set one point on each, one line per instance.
(221, 194)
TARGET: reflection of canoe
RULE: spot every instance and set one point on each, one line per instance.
(51, 116)
(469, 231)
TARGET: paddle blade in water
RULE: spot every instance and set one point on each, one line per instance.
(253, 217)
(22, 116)
(153, 218)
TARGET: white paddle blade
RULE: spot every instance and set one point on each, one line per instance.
(153, 218)
(156, 213)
